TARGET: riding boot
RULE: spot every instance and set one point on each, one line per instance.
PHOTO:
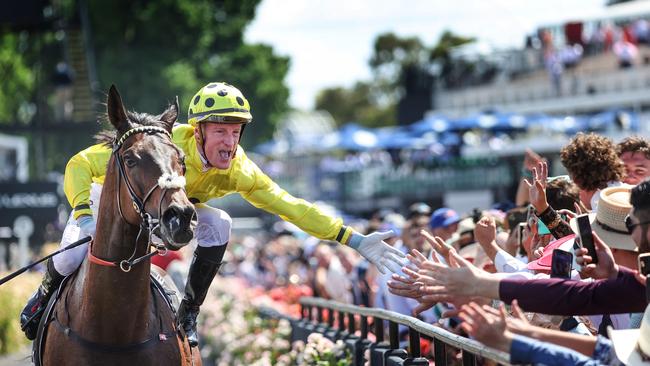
(31, 315)
(205, 266)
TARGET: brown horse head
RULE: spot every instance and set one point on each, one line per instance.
(152, 171)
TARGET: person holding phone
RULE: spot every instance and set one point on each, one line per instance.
(556, 296)
(561, 264)
(609, 224)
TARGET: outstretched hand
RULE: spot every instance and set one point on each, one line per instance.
(437, 244)
(444, 283)
(373, 247)
(486, 327)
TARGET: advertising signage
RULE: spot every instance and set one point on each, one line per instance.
(26, 209)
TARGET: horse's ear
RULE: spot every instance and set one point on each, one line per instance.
(115, 110)
(170, 115)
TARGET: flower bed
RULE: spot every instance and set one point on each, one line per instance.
(234, 333)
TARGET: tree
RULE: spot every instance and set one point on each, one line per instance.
(16, 77)
(154, 50)
(402, 76)
(355, 105)
(440, 56)
(391, 56)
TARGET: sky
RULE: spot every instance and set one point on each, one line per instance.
(330, 41)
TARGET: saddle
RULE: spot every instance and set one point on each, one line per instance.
(160, 284)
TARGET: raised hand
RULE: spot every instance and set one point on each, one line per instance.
(531, 159)
(485, 231)
(537, 187)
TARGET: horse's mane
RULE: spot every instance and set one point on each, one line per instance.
(107, 137)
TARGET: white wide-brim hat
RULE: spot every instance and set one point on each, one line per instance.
(628, 343)
(609, 220)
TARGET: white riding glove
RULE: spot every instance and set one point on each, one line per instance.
(377, 252)
(87, 225)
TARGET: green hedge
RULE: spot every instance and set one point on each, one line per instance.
(13, 296)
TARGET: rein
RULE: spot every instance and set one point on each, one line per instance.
(147, 223)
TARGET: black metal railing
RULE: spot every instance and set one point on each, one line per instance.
(341, 324)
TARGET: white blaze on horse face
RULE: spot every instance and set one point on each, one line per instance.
(171, 181)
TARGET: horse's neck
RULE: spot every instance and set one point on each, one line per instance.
(116, 302)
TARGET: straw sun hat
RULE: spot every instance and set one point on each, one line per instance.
(632, 346)
(609, 220)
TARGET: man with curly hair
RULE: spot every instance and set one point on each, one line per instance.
(593, 164)
(634, 151)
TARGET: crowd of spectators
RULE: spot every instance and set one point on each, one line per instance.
(622, 40)
(488, 274)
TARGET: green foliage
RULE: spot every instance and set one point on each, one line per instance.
(17, 79)
(446, 43)
(356, 104)
(154, 50)
(374, 103)
(441, 56)
(13, 296)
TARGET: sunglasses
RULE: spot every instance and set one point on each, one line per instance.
(631, 225)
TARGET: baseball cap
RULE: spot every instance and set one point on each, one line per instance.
(443, 217)
(419, 208)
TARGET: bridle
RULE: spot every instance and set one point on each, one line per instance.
(147, 223)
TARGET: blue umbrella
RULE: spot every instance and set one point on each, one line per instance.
(354, 137)
(397, 138)
(614, 119)
(437, 124)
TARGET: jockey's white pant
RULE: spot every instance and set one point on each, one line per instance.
(213, 229)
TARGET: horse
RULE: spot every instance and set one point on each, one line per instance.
(107, 313)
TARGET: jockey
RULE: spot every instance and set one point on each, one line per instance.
(216, 166)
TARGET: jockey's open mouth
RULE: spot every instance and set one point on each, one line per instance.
(225, 154)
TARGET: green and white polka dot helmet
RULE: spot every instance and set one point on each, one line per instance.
(219, 102)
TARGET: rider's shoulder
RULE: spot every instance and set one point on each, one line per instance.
(182, 129)
(100, 148)
(182, 132)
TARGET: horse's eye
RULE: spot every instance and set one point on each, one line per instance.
(129, 162)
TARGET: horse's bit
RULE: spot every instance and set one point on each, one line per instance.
(147, 222)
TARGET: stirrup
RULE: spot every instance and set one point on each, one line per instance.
(29, 319)
(36, 316)
(187, 320)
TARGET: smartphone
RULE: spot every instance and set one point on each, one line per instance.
(644, 264)
(586, 236)
(520, 232)
(561, 264)
(531, 218)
